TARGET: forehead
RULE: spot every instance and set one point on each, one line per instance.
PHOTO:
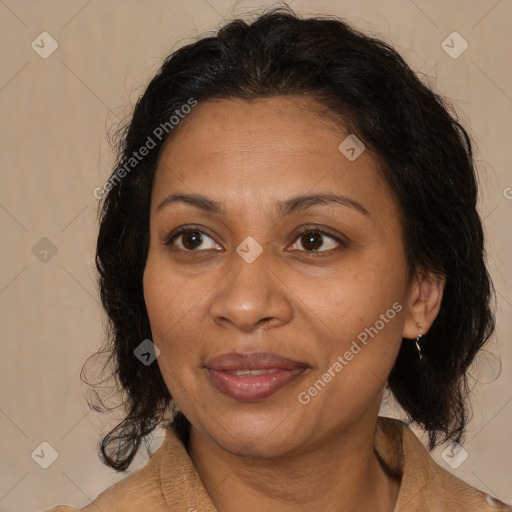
(280, 145)
(278, 124)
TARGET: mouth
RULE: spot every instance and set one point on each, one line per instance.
(253, 376)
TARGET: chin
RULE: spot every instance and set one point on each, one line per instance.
(256, 433)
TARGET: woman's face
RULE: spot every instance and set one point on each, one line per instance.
(273, 339)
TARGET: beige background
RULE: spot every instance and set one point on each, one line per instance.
(55, 112)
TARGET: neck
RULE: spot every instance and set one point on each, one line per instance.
(341, 474)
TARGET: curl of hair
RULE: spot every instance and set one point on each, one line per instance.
(425, 156)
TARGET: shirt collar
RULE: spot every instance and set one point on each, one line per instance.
(398, 448)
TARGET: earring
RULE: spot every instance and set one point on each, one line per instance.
(418, 339)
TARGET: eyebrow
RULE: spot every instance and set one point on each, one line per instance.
(284, 208)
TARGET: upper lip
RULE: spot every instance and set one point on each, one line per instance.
(233, 361)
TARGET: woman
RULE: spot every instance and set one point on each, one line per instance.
(291, 228)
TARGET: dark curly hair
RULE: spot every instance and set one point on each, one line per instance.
(424, 153)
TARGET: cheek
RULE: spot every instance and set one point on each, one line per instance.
(358, 315)
(356, 294)
(169, 300)
(167, 312)
(158, 305)
(175, 307)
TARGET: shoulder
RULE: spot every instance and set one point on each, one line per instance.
(425, 485)
(62, 508)
(139, 491)
(456, 495)
(168, 481)
(132, 493)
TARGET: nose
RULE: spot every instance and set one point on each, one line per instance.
(251, 296)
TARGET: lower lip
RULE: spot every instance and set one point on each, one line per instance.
(250, 388)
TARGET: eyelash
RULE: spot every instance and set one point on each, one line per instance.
(173, 235)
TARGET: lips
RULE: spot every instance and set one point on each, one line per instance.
(253, 376)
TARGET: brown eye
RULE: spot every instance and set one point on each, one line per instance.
(191, 240)
(314, 240)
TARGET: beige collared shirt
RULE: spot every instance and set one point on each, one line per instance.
(169, 481)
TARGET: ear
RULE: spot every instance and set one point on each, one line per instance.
(423, 304)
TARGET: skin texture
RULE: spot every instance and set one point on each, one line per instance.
(277, 453)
